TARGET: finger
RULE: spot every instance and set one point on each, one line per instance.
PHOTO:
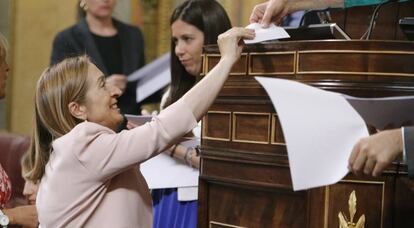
(359, 163)
(354, 155)
(245, 33)
(257, 13)
(254, 18)
(131, 125)
(379, 167)
(268, 15)
(369, 166)
(237, 33)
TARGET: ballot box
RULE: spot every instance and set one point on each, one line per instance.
(244, 175)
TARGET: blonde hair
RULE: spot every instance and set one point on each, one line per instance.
(58, 85)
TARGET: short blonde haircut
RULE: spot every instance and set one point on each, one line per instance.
(58, 85)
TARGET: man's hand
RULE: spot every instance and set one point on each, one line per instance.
(374, 153)
(268, 12)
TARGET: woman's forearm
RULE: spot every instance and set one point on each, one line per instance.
(187, 155)
(202, 95)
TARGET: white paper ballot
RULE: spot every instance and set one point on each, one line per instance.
(187, 193)
(152, 77)
(138, 119)
(162, 171)
(385, 112)
(320, 129)
(263, 34)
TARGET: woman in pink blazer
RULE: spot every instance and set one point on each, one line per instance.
(88, 173)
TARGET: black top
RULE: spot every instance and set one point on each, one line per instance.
(78, 39)
(110, 49)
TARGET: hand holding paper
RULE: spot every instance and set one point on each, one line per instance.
(264, 34)
(320, 142)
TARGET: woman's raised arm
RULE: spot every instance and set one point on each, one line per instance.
(202, 95)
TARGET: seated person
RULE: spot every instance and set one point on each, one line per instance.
(21, 215)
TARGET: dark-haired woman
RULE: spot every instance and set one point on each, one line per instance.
(194, 23)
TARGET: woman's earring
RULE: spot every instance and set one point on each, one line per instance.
(83, 5)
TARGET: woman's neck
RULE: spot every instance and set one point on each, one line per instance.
(101, 26)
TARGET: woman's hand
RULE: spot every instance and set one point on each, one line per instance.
(130, 125)
(271, 11)
(229, 43)
(24, 216)
(201, 96)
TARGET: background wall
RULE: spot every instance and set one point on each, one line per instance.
(4, 29)
(34, 24)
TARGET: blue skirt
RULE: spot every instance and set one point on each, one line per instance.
(168, 212)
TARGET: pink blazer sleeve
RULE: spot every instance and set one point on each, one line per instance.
(108, 153)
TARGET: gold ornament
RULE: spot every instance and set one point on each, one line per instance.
(343, 221)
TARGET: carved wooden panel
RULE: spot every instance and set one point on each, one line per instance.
(251, 127)
(370, 202)
(277, 132)
(251, 208)
(404, 199)
(356, 62)
(232, 170)
(217, 125)
(272, 63)
(239, 68)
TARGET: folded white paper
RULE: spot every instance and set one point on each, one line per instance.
(320, 130)
(187, 193)
(138, 119)
(263, 34)
(152, 77)
(162, 171)
(385, 112)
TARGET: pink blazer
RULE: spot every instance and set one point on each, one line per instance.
(92, 178)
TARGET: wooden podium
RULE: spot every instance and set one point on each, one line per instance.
(245, 179)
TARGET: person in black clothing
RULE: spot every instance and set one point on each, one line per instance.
(116, 48)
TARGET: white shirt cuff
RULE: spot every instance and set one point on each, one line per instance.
(404, 156)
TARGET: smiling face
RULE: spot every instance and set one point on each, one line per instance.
(189, 41)
(101, 100)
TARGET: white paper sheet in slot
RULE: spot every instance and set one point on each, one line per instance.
(320, 130)
(263, 34)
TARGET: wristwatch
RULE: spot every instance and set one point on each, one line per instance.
(4, 220)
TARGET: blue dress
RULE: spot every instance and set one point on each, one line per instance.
(168, 212)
